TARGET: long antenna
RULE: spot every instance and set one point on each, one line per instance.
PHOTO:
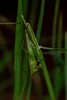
(10, 23)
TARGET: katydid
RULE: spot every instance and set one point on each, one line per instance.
(32, 60)
(36, 47)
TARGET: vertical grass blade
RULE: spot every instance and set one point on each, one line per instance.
(25, 7)
(25, 67)
(47, 78)
(33, 13)
(54, 23)
(18, 52)
(66, 65)
(60, 32)
(23, 89)
(40, 20)
(44, 68)
(57, 77)
(29, 88)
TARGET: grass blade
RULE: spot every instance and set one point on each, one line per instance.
(25, 7)
(44, 68)
(40, 20)
(47, 78)
(54, 23)
(18, 52)
(60, 32)
(25, 66)
(29, 88)
(57, 87)
(23, 90)
(33, 13)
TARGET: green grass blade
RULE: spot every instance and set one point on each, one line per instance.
(57, 81)
(57, 87)
(24, 74)
(55, 23)
(40, 20)
(29, 88)
(33, 13)
(25, 67)
(18, 52)
(25, 7)
(66, 65)
(23, 90)
(47, 78)
(60, 32)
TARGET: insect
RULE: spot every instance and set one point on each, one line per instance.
(35, 47)
(32, 59)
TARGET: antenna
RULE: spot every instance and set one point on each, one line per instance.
(10, 23)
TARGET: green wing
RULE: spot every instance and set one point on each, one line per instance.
(32, 59)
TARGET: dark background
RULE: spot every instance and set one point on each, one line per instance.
(8, 13)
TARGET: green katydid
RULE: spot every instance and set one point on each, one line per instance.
(32, 60)
(34, 42)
